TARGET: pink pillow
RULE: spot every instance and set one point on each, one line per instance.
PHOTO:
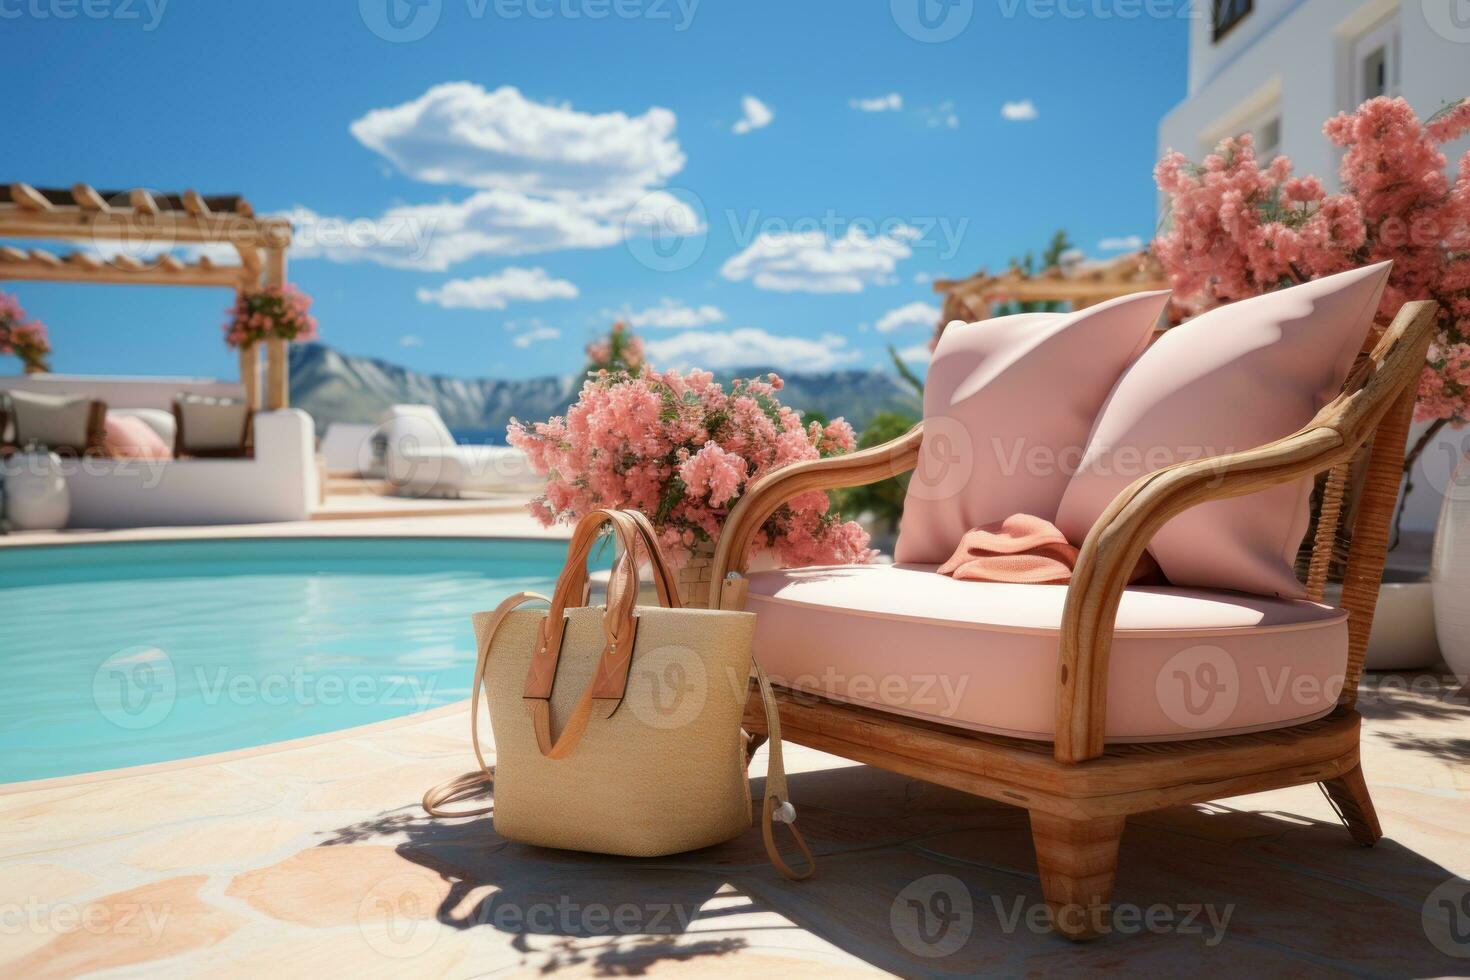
(1237, 377)
(129, 437)
(1008, 405)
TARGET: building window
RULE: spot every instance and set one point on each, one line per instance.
(1268, 139)
(1228, 13)
(1264, 124)
(1376, 62)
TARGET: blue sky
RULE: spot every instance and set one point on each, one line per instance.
(480, 200)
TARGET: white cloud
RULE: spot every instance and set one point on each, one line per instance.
(1121, 243)
(670, 314)
(757, 115)
(811, 262)
(497, 290)
(1023, 111)
(923, 278)
(917, 354)
(433, 237)
(535, 335)
(749, 347)
(942, 115)
(548, 177)
(459, 133)
(915, 314)
(410, 340)
(892, 102)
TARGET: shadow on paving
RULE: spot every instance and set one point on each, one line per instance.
(919, 880)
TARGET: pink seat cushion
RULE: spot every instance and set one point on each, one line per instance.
(1008, 404)
(129, 437)
(1238, 377)
(1185, 663)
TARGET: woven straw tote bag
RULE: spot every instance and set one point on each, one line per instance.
(617, 728)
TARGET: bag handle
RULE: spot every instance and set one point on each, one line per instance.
(620, 629)
(663, 575)
(471, 784)
(571, 590)
(777, 808)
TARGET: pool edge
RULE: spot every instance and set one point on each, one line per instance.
(230, 755)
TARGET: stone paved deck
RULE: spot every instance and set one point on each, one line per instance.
(313, 859)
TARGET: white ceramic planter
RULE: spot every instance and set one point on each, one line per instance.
(1403, 636)
(36, 498)
(1450, 573)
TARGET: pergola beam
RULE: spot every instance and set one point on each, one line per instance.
(1033, 291)
(88, 199)
(170, 227)
(250, 259)
(142, 201)
(967, 299)
(195, 205)
(72, 270)
(28, 198)
(277, 366)
(42, 266)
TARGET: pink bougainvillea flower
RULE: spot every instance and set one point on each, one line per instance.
(683, 449)
(1237, 229)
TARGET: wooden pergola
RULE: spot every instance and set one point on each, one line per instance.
(1082, 285)
(152, 223)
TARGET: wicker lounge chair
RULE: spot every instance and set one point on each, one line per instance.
(1081, 785)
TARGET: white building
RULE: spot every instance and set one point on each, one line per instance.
(1281, 68)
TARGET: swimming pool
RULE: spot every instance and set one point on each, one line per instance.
(123, 654)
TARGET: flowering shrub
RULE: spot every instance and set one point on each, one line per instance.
(1239, 230)
(275, 311)
(26, 339)
(620, 350)
(682, 450)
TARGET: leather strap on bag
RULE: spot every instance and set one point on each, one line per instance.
(602, 696)
(777, 808)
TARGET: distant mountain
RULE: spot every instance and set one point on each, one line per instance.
(337, 387)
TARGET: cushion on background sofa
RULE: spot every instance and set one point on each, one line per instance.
(1186, 663)
(64, 424)
(1235, 378)
(1008, 405)
(160, 420)
(208, 426)
(129, 437)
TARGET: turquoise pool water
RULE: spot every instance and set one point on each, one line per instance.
(123, 654)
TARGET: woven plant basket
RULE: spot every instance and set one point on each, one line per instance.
(694, 576)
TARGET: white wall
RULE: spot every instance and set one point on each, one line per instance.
(124, 392)
(1301, 49)
(1297, 53)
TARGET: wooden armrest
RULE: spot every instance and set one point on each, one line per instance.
(764, 497)
(1383, 394)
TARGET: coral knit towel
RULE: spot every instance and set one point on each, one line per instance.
(1024, 550)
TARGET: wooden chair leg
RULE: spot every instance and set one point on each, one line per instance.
(1077, 860)
(1350, 792)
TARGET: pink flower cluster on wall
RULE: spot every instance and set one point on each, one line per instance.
(26, 339)
(683, 450)
(1239, 230)
(275, 311)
